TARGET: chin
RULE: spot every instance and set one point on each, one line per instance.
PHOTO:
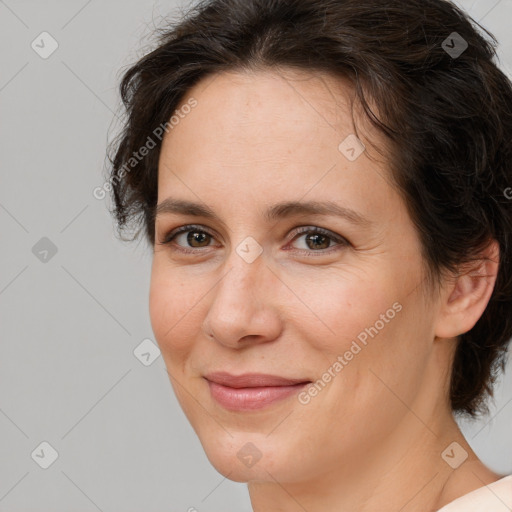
(244, 457)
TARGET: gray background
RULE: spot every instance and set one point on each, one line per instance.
(70, 324)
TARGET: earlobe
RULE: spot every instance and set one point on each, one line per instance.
(468, 294)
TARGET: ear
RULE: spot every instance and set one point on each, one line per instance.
(465, 298)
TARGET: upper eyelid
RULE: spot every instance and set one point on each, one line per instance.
(189, 227)
(170, 235)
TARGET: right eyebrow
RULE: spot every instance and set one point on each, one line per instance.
(183, 207)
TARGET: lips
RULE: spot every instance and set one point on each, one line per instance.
(251, 391)
(251, 380)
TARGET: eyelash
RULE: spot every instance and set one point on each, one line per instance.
(342, 242)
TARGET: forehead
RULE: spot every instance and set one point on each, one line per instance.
(268, 113)
(283, 101)
(268, 133)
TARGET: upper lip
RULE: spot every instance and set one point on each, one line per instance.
(251, 380)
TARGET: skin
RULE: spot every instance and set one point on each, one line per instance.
(372, 438)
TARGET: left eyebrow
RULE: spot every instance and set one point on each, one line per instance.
(273, 213)
(295, 208)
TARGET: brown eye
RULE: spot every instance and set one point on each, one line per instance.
(197, 237)
(316, 241)
(187, 238)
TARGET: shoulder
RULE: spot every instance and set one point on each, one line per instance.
(495, 497)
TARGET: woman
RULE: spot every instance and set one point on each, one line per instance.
(323, 186)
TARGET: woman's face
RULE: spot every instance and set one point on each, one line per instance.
(334, 298)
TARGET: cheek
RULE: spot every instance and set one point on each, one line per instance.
(374, 323)
(173, 312)
(341, 305)
(383, 336)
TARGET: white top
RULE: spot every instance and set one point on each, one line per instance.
(495, 497)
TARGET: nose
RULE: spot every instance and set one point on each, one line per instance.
(244, 308)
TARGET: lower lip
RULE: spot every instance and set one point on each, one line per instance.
(249, 399)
